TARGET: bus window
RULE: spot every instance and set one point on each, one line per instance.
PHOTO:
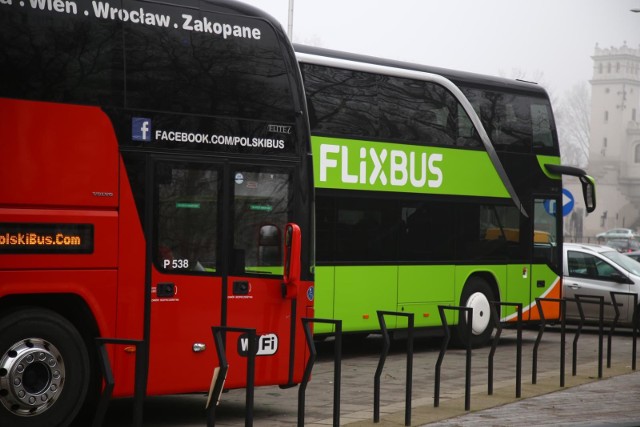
(513, 122)
(545, 232)
(261, 210)
(356, 230)
(187, 217)
(61, 57)
(502, 223)
(269, 245)
(541, 125)
(366, 230)
(467, 135)
(341, 102)
(416, 111)
(429, 232)
(358, 104)
(168, 69)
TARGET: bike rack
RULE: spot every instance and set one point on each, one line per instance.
(543, 323)
(337, 364)
(383, 357)
(443, 350)
(220, 334)
(634, 322)
(494, 306)
(579, 301)
(105, 365)
(224, 367)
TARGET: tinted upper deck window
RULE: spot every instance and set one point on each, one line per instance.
(60, 57)
(238, 72)
(168, 58)
(365, 105)
(513, 121)
(341, 102)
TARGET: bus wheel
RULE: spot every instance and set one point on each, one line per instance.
(44, 369)
(477, 294)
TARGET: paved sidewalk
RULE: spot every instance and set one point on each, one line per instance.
(584, 401)
(613, 400)
(610, 402)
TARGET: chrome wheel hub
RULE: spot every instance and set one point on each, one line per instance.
(32, 376)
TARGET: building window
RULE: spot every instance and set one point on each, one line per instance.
(604, 142)
(606, 116)
(608, 67)
(606, 90)
(600, 68)
(633, 114)
(637, 153)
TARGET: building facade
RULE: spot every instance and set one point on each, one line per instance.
(614, 145)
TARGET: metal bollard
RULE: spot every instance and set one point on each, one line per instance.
(563, 309)
(634, 322)
(139, 387)
(443, 350)
(337, 368)
(581, 299)
(224, 367)
(383, 357)
(495, 345)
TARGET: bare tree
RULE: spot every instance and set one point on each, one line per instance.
(572, 119)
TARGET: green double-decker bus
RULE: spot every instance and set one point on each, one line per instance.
(433, 187)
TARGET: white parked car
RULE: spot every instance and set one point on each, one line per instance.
(617, 233)
(597, 270)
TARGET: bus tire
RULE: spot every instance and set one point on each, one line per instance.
(44, 369)
(478, 295)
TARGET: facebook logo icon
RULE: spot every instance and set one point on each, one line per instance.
(141, 129)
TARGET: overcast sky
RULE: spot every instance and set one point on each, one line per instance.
(552, 38)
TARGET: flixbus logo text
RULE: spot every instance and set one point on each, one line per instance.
(386, 167)
(351, 164)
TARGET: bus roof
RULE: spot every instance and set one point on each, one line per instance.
(232, 6)
(453, 75)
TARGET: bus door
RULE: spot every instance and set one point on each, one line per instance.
(546, 270)
(261, 206)
(186, 279)
(218, 240)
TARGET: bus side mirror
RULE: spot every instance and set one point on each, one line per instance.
(292, 249)
(588, 183)
(588, 192)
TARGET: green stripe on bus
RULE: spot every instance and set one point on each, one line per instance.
(350, 164)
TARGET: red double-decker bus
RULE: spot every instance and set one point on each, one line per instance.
(152, 156)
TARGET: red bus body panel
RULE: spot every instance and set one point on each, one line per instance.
(57, 155)
(65, 167)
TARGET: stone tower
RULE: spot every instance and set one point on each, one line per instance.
(614, 152)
